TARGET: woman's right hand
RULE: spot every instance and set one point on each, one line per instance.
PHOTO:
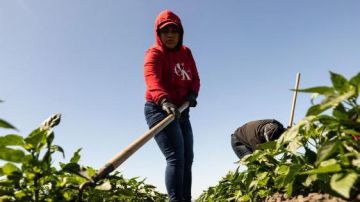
(170, 108)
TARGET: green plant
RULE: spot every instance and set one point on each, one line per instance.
(319, 154)
(28, 173)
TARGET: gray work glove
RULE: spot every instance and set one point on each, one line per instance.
(170, 108)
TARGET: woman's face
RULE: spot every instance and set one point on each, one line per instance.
(170, 36)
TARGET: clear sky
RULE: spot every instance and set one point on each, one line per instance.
(84, 59)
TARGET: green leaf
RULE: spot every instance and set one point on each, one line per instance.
(309, 180)
(55, 148)
(263, 193)
(67, 195)
(292, 134)
(327, 169)
(9, 168)
(11, 140)
(290, 188)
(20, 194)
(12, 155)
(76, 157)
(36, 139)
(262, 178)
(329, 166)
(6, 199)
(340, 112)
(343, 182)
(319, 108)
(267, 145)
(245, 197)
(323, 90)
(316, 109)
(71, 168)
(4, 124)
(286, 176)
(254, 157)
(355, 80)
(327, 150)
(327, 120)
(50, 137)
(281, 173)
(351, 132)
(339, 82)
(90, 171)
(126, 192)
(282, 170)
(294, 145)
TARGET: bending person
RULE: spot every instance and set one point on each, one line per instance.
(246, 138)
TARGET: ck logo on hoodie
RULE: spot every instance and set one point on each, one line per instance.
(180, 71)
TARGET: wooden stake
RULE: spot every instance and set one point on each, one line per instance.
(294, 99)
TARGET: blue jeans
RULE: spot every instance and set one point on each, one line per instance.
(176, 143)
(239, 148)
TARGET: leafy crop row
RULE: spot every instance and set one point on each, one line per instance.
(319, 154)
(28, 174)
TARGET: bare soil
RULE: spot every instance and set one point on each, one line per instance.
(312, 197)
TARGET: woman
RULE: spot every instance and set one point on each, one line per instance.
(171, 79)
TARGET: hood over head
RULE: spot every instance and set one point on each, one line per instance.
(164, 19)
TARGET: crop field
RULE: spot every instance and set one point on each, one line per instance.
(318, 159)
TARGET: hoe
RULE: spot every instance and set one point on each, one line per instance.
(122, 156)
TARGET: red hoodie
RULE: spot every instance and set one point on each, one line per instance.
(169, 74)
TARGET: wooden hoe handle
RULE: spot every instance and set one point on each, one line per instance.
(122, 156)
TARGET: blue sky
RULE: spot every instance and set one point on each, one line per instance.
(84, 59)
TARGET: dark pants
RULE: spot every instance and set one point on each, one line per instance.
(239, 148)
(176, 143)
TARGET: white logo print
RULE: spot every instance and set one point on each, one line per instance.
(180, 71)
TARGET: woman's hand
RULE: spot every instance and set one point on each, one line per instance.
(170, 108)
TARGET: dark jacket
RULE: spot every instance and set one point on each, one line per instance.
(251, 134)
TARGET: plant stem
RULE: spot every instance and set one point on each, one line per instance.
(36, 191)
